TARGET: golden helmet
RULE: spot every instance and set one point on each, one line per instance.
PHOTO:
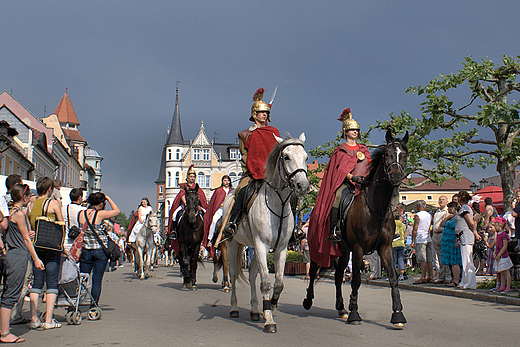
(259, 105)
(348, 122)
(190, 171)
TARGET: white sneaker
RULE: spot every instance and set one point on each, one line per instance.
(52, 325)
(401, 278)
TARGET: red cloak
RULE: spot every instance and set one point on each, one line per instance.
(340, 164)
(177, 202)
(216, 200)
(259, 145)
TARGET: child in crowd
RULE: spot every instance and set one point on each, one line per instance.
(503, 262)
(490, 243)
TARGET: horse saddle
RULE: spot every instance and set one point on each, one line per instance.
(251, 193)
(347, 197)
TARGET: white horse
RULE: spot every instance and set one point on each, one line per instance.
(269, 225)
(145, 245)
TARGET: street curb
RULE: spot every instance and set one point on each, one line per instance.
(459, 293)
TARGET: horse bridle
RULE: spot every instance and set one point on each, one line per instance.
(287, 177)
(396, 163)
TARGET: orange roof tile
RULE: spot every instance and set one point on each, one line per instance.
(65, 110)
(73, 134)
(450, 184)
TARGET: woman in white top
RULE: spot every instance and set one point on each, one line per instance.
(143, 211)
(467, 229)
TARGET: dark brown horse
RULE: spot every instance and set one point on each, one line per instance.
(190, 231)
(220, 260)
(369, 226)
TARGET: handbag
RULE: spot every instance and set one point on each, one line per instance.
(77, 245)
(49, 234)
(74, 231)
(112, 250)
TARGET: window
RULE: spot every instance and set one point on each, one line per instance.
(178, 154)
(169, 182)
(177, 177)
(168, 204)
(233, 153)
(201, 179)
(205, 154)
(169, 154)
(196, 154)
(160, 189)
(208, 183)
(403, 197)
(233, 177)
(429, 197)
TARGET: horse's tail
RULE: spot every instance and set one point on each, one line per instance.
(240, 264)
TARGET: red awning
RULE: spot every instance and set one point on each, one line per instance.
(493, 192)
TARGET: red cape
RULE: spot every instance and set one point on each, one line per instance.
(340, 164)
(177, 202)
(216, 200)
(259, 145)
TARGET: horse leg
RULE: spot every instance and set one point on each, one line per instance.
(233, 249)
(193, 267)
(265, 287)
(279, 261)
(386, 254)
(141, 262)
(215, 268)
(253, 274)
(338, 279)
(357, 259)
(185, 264)
(225, 268)
(307, 302)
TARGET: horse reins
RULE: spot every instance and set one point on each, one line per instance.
(287, 177)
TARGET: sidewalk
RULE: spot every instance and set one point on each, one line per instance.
(511, 298)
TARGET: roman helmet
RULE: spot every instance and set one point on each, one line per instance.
(190, 171)
(348, 122)
(259, 105)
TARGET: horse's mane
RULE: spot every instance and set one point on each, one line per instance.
(270, 165)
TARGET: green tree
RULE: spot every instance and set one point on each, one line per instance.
(481, 131)
(122, 220)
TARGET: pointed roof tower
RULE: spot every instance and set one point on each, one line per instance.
(175, 135)
(65, 111)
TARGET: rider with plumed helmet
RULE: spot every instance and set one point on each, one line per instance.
(180, 199)
(347, 167)
(255, 144)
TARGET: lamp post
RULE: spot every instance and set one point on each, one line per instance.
(474, 188)
(483, 183)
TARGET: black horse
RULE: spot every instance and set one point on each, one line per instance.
(190, 230)
(369, 226)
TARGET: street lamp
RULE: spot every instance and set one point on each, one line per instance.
(483, 183)
(474, 188)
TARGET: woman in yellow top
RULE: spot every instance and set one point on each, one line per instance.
(398, 245)
(50, 259)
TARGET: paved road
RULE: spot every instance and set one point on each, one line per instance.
(156, 311)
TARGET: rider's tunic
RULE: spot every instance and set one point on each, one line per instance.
(343, 161)
(138, 224)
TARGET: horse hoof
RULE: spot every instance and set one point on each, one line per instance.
(226, 289)
(398, 318)
(194, 287)
(354, 318)
(234, 314)
(307, 304)
(343, 314)
(399, 325)
(255, 316)
(215, 278)
(270, 328)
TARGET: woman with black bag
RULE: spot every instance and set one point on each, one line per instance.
(44, 206)
(93, 258)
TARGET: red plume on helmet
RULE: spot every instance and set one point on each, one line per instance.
(259, 94)
(344, 113)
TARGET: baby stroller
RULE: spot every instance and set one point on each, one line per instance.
(74, 291)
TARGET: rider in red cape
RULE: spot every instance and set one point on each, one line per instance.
(214, 205)
(255, 145)
(346, 168)
(190, 183)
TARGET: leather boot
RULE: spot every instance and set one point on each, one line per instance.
(234, 217)
(335, 232)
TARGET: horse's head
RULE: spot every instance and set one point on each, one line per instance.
(153, 221)
(290, 158)
(192, 204)
(395, 156)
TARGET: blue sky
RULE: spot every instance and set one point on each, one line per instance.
(120, 61)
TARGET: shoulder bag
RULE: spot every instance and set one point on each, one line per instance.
(112, 251)
(49, 234)
(74, 231)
